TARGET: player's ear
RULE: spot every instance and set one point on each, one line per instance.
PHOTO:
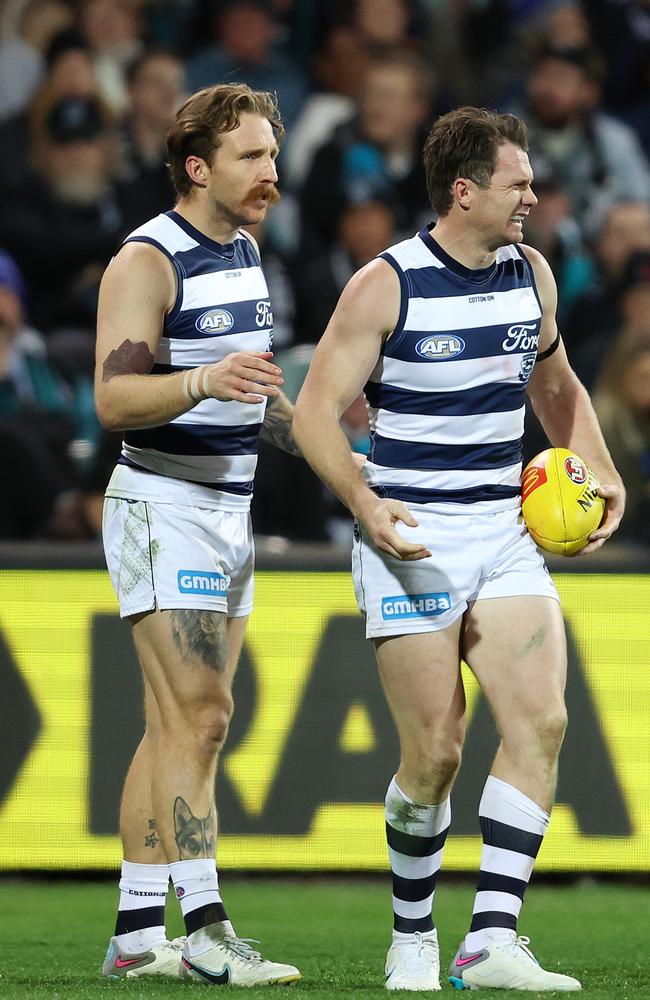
(197, 170)
(461, 191)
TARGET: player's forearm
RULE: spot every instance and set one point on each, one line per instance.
(130, 401)
(570, 421)
(323, 443)
(277, 428)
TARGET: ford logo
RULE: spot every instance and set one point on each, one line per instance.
(440, 347)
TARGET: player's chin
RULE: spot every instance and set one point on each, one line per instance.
(515, 232)
(254, 213)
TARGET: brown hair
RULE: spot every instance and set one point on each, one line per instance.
(206, 116)
(465, 143)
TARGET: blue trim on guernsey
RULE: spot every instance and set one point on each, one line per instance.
(531, 275)
(241, 489)
(392, 342)
(428, 282)
(475, 275)
(472, 494)
(494, 397)
(226, 250)
(397, 454)
(174, 312)
(197, 439)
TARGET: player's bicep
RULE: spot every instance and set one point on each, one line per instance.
(348, 351)
(550, 377)
(136, 291)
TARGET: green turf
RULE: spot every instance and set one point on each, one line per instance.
(53, 936)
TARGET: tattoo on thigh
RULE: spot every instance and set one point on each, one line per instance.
(202, 634)
(195, 837)
(151, 839)
(536, 640)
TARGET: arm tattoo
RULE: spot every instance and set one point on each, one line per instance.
(195, 837)
(128, 359)
(201, 634)
(276, 428)
(151, 839)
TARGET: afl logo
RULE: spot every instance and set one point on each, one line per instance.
(440, 347)
(575, 470)
(215, 321)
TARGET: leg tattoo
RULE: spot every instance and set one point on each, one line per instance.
(195, 837)
(202, 634)
(151, 839)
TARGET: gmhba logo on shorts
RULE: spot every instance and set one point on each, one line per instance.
(440, 347)
(197, 581)
(414, 606)
(215, 321)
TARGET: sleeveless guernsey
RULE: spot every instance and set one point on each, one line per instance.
(447, 396)
(222, 306)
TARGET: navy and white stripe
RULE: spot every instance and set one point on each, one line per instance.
(416, 837)
(513, 828)
(446, 397)
(222, 306)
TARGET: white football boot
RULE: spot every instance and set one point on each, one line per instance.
(231, 960)
(163, 959)
(506, 964)
(413, 962)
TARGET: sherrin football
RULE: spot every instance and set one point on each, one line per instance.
(560, 501)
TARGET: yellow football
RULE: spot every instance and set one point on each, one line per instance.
(560, 501)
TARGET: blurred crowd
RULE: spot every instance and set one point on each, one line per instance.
(88, 89)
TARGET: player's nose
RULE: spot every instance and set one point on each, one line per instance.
(270, 174)
(530, 198)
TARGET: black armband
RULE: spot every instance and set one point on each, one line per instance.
(549, 350)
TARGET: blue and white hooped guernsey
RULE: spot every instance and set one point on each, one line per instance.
(446, 397)
(222, 305)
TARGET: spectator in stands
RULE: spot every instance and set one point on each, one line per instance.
(155, 87)
(63, 223)
(621, 31)
(553, 231)
(386, 24)
(596, 315)
(622, 402)
(26, 30)
(243, 50)
(376, 154)
(37, 426)
(595, 157)
(112, 29)
(340, 66)
(70, 73)
(365, 229)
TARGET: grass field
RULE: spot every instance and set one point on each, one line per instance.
(53, 936)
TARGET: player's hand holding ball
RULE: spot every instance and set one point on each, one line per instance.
(562, 501)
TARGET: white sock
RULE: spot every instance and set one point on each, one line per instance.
(141, 912)
(513, 827)
(196, 884)
(416, 835)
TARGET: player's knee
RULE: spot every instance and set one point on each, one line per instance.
(551, 727)
(213, 724)
(540, 735)
(436, 764)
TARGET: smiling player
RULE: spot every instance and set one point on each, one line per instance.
(447, 331)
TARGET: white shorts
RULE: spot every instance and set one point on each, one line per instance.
(162, 555)
(474, 557)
